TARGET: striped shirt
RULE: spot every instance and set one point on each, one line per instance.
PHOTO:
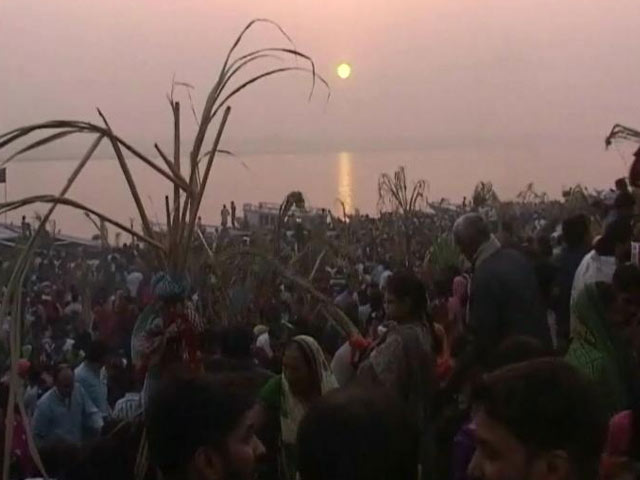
(128, 407)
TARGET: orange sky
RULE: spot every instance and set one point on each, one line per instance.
(427, 73)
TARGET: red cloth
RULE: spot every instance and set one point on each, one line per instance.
(188, 338)
(23, 368)
(359, 346)
(620, 433)
(20, 449)
(615, 459)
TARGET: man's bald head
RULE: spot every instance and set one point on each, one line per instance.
(469, 232)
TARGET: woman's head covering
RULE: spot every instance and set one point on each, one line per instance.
(590, 313)
(292, 410)
(166, 286)
(595, 350)
(314, 352)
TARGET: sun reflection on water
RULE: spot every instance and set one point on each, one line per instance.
(345, 180)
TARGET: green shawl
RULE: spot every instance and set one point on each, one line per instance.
(277, 395)
(596, 351)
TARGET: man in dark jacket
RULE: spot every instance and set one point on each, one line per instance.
(576, 238)
(505, 300)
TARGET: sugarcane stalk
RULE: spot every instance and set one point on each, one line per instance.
(198, 198)
(13, 293)
(146, 225)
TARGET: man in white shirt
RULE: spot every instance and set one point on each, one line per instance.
(75, 307)
(599, 265)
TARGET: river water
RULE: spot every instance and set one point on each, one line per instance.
(322, 177)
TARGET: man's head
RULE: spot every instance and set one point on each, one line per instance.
(625, 311)
(469, 232)
(357, 435)
(64, 381)
(97, 353)
(575, 231)
(538, 420)
(624, 204)
(202, 428)
(543, 246)
(616, 241)
(622, 185)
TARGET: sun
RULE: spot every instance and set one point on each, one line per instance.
(344, 71)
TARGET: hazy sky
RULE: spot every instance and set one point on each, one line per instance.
(427, 73)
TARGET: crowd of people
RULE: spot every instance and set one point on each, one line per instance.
(520, 362)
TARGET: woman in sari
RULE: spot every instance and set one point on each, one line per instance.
(600, 348)
(621, 456)
(403, 360)
(306, 376)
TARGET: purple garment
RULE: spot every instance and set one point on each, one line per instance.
(464, 446)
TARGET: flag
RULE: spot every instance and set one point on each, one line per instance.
(3, 175)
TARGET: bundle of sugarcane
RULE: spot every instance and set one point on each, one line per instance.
(171, 250)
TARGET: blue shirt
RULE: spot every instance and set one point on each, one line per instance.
(94, 385)
(73, 419)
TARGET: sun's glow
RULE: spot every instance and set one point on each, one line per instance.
(344, 71)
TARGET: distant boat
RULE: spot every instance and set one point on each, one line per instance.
(10, 235)
(265, 214)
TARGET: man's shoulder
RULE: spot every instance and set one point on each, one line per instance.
(590, 256)
(505, 256)
(46, 398)
(569, 259)
(81, 372)
(584, 263)
(593, 263)
(509, 253)
(504, 264)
